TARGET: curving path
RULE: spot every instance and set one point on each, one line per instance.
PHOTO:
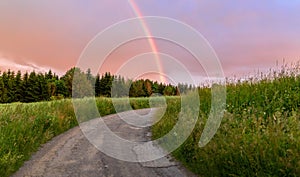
(71, 154)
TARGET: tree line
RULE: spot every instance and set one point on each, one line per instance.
(34, 87)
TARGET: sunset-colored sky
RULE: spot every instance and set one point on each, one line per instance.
(246, 35)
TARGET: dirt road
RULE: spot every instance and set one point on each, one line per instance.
(71, 154)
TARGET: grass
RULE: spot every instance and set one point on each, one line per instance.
(259, 134)
(24, 127)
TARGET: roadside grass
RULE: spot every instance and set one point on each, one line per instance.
(259, 134)
(25, 127)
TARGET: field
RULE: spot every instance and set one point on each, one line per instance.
(24, 127)
(259, 134)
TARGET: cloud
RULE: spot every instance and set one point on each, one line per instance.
(245, 35)
(6, 64)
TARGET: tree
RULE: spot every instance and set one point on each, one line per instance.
(169, 90)
(61, 89)
(42, 89)
(24, 87)
(51, 85)
(3, 91)
(68, 79)
(137, 89)
(148, 87)
(49, 75)
(34, 86)
(10, 85)
(106, 84)
(81, 85)
(161, 88)
(89, 75)
(119, 88)
(97, 85)
(32, 93)
(18, 86)
(183, 88)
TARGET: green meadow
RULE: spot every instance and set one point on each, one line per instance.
(24, 127)
(259, 134)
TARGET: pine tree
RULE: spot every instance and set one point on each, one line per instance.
(25, 88)
(137, 89)
(49, 75)
(68, 79)
(3, 91)
(11, 87)
(106, 84)
(32, 94)
(61, 89)
(42, 89)
(51, 88)
(18, 86)
(148, 87)
(155, 87)
(169, 90)
(119, 88)
(90, 78)
(97, 86)
(161, 89)
(81, 85)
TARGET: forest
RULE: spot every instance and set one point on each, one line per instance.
(33, 87)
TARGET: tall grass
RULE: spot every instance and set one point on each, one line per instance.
(259, 134)
(24, 127)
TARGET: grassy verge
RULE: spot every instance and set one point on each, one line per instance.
(259, 134)
(24, 127)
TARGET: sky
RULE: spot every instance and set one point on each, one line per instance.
(247, 36)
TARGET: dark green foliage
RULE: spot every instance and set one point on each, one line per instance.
(61, 88)
(33, 87)
(120, 87)
(3, 91)
(68, 80)
(18, 87)
(29, 88)
(81, 86)
(169, 90)
(106, 84)
(137, 89)
(97, 86)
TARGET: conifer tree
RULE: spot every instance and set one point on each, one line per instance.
(25, 88)
(3, 91)
(32, 94)
(61, 89)
(97, 86)
(106, 84)
(18, 87)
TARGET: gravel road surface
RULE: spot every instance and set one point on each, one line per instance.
(71, 154)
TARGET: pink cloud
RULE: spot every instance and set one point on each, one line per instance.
(246, 35)
(7, 63)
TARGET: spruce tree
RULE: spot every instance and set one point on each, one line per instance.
(3, 91)
(97, 86)
(61, 89)
(42, 88)
(25, 88)
(32, 94)
(18, 86)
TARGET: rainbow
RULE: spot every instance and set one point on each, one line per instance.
(151, 41)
